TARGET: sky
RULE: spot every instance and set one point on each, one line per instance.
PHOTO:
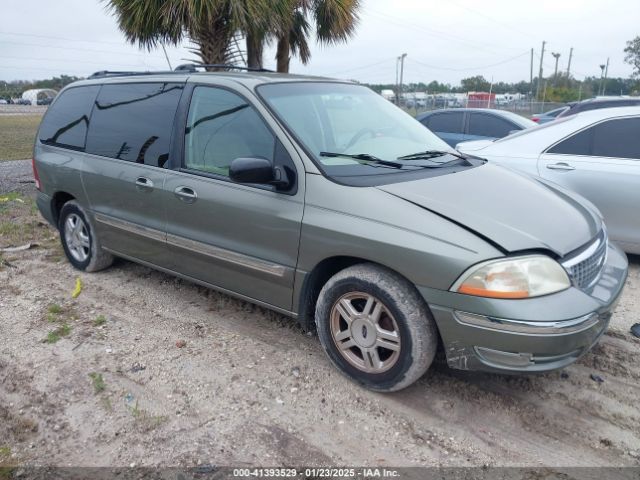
(444, 40)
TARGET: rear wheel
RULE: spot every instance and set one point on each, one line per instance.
(79, 240)
(375, 327)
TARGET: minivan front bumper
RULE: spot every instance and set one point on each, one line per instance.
(530, 335)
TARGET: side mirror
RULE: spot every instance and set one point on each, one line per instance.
(257, 170)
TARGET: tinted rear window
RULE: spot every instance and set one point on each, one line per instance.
(66, 121)
(134, 122)
(578, 144)
(486, 125)
(445, 122)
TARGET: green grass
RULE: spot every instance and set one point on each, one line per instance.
(100, 320)
(55, 335)
(18, 135)
(98, 382)
(54, 308)
(21, 223)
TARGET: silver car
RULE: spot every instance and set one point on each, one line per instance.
(594, 153)
(321, 200)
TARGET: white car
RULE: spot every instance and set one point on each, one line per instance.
(594, 153)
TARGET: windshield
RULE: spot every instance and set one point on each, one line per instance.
(335, 119)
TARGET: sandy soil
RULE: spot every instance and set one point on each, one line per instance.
(147, 369)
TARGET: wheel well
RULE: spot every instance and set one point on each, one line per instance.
(313, 283)
(58, 200)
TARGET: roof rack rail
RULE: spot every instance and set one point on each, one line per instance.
(110, 73)
(192, 67)
(187, 67)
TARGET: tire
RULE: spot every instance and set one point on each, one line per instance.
(79, 240)
(375, 327)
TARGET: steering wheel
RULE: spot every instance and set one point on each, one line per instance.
(359, 135)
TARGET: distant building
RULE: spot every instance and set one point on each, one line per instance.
(481, 100)
(388, 94)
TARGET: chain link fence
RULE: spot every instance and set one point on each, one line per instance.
(525, 108)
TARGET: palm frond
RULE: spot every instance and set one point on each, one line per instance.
(335, 20)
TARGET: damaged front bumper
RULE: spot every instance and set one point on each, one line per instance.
(530, 335)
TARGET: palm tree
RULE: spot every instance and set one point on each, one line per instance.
(335, 21)
(209, 24)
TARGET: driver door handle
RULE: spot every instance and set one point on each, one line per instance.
(143, 183)
(560, 166)
(186, 194)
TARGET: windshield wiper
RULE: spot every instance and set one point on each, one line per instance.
(364, 157)
(427, 154)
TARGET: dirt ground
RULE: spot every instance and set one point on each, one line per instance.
(143, 368)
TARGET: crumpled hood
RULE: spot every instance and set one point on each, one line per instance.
(510, 209)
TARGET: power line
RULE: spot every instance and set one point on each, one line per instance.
(470, 68)
(383, 17)
(66, 39)
(362, 67)
(84, 62)
(482, 14)
(90, 50)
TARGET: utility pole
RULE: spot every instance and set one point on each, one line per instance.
(166, 56)
(540, 73)
(601, 78)
(531, 75)
(606, 72)
(397, 80)
(555, 73)
(402, 57)
(569, 64)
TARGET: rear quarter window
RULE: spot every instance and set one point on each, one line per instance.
(134, 122)
(67, 120)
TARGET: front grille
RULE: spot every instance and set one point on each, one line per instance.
(585, 267)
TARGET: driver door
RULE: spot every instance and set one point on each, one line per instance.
(239, 238)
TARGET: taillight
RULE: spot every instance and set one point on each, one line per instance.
(535, 119)
(36, 177)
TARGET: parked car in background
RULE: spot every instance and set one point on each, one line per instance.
(415, 103)
(465, 124)
(549, 116)
(252, 184)
(598, 103)
(3, 101)
(45, 101)
(594, 153)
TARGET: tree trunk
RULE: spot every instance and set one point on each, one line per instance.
(255, 45)
(283, 54)
(213, 43)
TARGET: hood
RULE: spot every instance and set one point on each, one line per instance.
(473, 145)
(509, 209)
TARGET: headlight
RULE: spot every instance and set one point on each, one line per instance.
(521, 277)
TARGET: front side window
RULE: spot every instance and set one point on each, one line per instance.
(66, 122)
(486, 125)
(617, 138)
(134, 122)
(221, 127)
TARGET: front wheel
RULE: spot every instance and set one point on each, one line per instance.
(375, 327)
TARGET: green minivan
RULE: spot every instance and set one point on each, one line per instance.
(319, 199)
